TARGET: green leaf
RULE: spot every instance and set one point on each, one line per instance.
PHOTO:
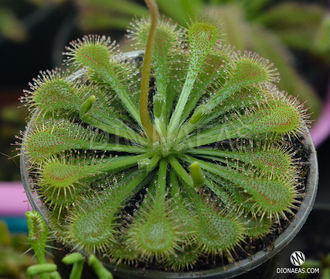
(268, 46)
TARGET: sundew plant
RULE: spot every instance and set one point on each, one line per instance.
(183, 157)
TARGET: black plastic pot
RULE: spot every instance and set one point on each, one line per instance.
(260, 265)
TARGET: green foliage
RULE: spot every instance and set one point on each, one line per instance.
(38, 235)
(111, 187)
(320, 266)
(14, 260)
(283, 26)
(10, 26)
(37, 239)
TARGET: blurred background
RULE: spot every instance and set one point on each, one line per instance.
(292, 34)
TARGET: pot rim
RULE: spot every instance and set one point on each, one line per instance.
(233, 269)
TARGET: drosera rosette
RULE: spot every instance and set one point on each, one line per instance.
(184, 158)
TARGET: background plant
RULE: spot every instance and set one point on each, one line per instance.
(13, 260)
(111, 148)
(285, 26)
(38, 237)
(92, 16)
(322, 263)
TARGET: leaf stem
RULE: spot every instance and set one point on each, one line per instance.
(183, 99)
(40, 269)
(180, 171)
(115, 147)
(175, 187)
(112, 126)
(77, 260)
(115, 164)
(129, 187)
(145, 120)
(185, 178)
(98, 268)
(161, 191)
